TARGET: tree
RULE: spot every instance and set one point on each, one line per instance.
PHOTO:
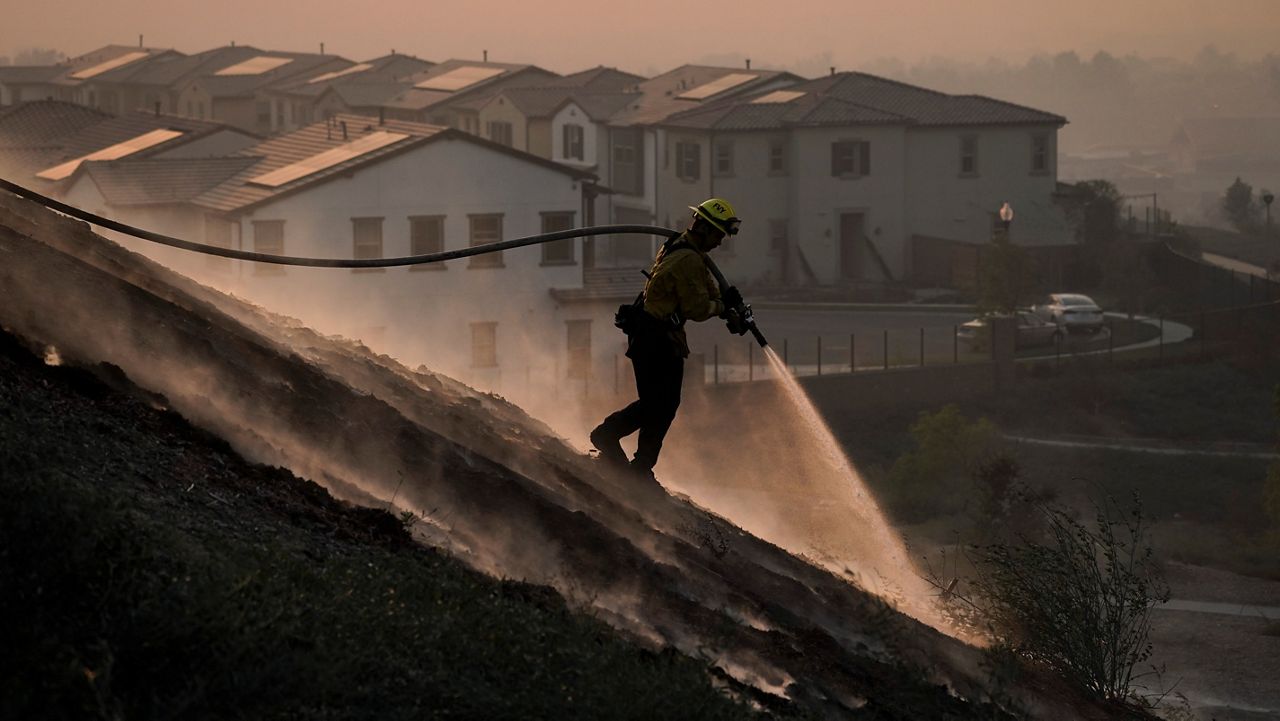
(1003, 275)
(1239, 206)
(1092, 208)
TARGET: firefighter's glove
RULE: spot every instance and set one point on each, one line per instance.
(732, 299)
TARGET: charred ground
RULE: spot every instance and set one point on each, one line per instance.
(160, 573)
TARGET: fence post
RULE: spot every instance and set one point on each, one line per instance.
(751, 361)
(955, 344)
(1111, 341)
(886, 349)
(853, 357)
(921, 346)
(715, 361)
(819, 354)
(1161, 338)
(1057, 350)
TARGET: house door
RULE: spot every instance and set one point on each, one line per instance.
(852, 253)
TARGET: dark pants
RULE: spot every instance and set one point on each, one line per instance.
(659, 374)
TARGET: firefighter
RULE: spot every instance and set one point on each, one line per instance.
(680, 289)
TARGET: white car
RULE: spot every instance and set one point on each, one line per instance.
(1032, 330)
(1072, 312)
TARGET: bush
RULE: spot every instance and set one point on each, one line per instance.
(1080, 602)
(934, 476)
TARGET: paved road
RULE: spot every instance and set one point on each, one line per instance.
(1267, 613)
(1139, 447)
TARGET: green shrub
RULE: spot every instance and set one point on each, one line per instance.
(934, 477)
(1080, 602)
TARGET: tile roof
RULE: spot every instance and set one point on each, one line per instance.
(414, 98)
(121, 128)
(45, 123)
(301, 66)
(19, 74)
(236, 194)
(153, 181)
(99, 56)
(853, 98)
(599, 79)
(658, 96)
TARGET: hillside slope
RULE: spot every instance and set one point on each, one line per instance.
(498, 490)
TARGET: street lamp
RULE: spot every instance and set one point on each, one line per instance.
(1006, 216)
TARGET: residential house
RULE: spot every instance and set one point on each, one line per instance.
(361, 89)
(447, 94)
(233, 84)
(23, 83)
(524, 115)
(853, 178)
(45, 142)
(32, 134)
(355, 187)
(74, 79)
(638, 150)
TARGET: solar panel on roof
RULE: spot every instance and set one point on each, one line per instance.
(779, 96)
(459, 78)
(360, 68)
(717, 86)
(255, 66)
(119, 150)
(112, 64)
(327, 159)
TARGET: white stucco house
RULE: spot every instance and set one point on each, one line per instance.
(852, 178)
(369, 190)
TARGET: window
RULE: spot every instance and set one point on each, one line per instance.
(268, 237)
(969, 155)
(777, 156)
(628, 168)
(573, 135)
(1039, 153)
(579, 336)
(778, 237)
(724, 158)
(688, 161)
(426, 235)
(850, 158)
(217, 232)
(500, 132)
(484, 345)
(366, 241)
(557, 252)
(486, 229)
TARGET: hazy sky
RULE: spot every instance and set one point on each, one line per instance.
(565, 35)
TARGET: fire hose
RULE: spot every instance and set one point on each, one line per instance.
(740, 319)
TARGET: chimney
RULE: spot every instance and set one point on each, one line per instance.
(328, 130)
(485, 53)
(748, 63)
(322, 48)
(344, 130)
(382, 116)
(233, 43)
(157, 108)
(139, 39)
(833, 71)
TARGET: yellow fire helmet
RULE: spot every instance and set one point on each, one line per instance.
(719, 213)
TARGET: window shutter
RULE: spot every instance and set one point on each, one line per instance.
(864, 158)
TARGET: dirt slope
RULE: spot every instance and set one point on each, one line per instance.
(499, 490)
